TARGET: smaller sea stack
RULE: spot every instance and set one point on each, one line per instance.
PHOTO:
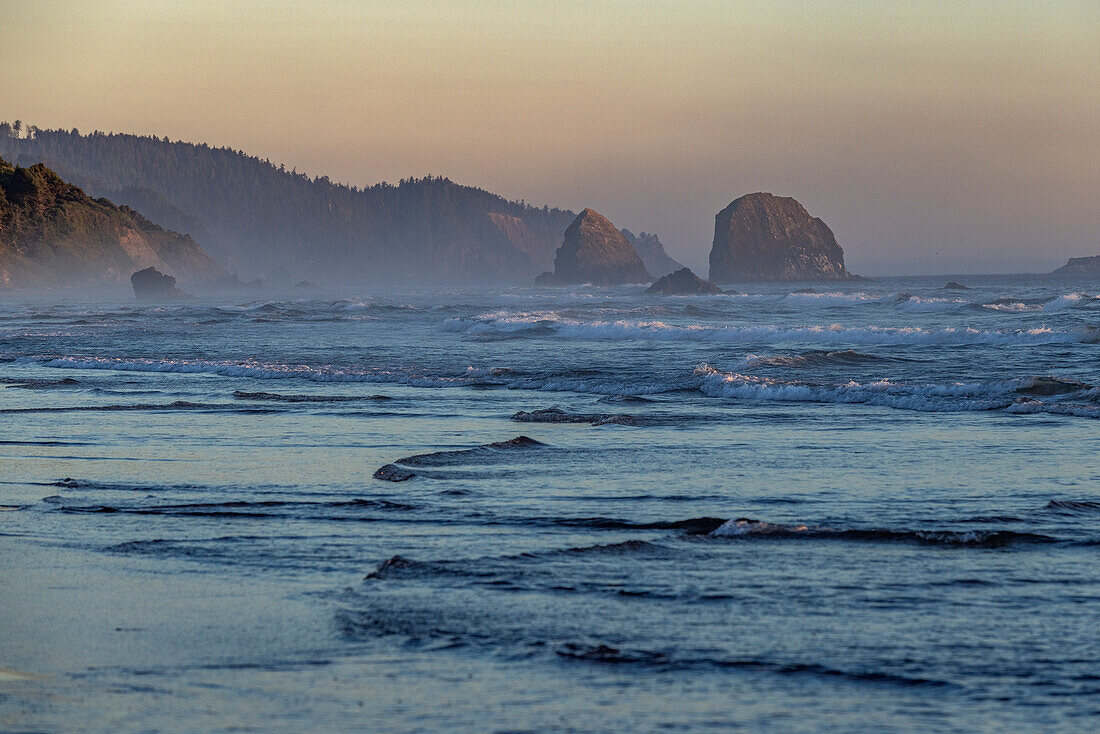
(151, 286)
(595, 251)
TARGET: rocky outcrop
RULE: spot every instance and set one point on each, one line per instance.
(594, 251)
(52, 233)
(1081, 266)
(683, 283)
(763, 237)
(652, 252)
(152, 286)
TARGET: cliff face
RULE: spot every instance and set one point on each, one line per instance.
(594, 251)
(52, 233)
(1083, 266)
(762, 237)
(652, 252)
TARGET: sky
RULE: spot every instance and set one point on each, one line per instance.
(933, 137)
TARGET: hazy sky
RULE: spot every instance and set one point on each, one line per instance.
(931, 136)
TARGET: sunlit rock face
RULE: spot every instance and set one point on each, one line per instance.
(594, 251)
(763, 237)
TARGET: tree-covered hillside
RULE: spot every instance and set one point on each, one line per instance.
(256, 216)
(52, 233)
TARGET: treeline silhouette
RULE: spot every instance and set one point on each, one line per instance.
(256, 216)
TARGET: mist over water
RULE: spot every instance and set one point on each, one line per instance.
(874, 504)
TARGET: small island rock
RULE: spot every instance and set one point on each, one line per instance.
(683, 283)
(152, 285)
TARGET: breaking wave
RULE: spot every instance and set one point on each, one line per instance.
(975, 396)
(551, 325)
(1017, 395)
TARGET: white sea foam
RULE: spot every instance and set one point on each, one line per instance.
(836, 298)
(1054, 305)
(1066, 301)
(925, 305)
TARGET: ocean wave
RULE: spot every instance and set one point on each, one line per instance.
(917, 304)
(830, 299)
(176, 405)
(282, 398)
(545, 325)
(557, 415)
(1061, 396)
(815, 358)
(974, 396)
(241, 508)
(398, 471)
(746, 528)
(31, 383)
(1073, 507)
(1029, 406)
(1052, 305)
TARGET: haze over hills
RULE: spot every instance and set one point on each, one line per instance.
(52, 233)
(255, 216)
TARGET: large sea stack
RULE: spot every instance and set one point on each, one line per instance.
(763, 237)
(594, 251)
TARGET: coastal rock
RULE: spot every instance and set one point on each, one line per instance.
(233, 283)
(151, 285)
(683, 283)
(393, 473)
(594, 251)
(763, 237)
(652, 252)
(1083, 266)
(952, 285)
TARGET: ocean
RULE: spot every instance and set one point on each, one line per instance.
(862, 507)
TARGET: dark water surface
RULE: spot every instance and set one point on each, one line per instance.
(872, 506)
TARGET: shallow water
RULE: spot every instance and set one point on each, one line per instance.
(875, 505)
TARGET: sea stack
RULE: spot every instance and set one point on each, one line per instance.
(152, 286)
(763, 237)
(652, 251)
(594, 251)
